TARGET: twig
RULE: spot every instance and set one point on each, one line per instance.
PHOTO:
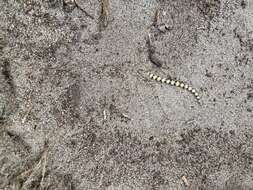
(126, 116)
(44, 167)
(157, 16)
(83, 10)
(33, 173)
(26, 115)
(104, 112)
(35, 170)
(151, 54)
(184, 179)
(104, 13)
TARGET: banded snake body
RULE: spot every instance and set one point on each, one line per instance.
(176, 83)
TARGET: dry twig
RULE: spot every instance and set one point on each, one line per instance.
(151, 54)
(83, 10)
(157, 16)
(186, 183)
(104, 18)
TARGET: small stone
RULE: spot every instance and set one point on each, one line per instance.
(3, 103)
(182, 85)
(159, 78)
(168, 81)
(250, 95)
(155, 77)
(249, 110)
(163, 80)
(172, 82)
(151, 75)
(177, 83)
(190, 88)
(186, 86)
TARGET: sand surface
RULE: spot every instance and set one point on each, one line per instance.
(78, 111)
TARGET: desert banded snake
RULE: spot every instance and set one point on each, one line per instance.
(176, 83)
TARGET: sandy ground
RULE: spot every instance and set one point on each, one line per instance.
(77, 110)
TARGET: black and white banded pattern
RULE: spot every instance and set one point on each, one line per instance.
(177, 84)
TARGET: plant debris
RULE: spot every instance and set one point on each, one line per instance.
(70, 5)
(33, 174)
(186, 183)
(151, 54)
(104, 17)
(157, 16)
